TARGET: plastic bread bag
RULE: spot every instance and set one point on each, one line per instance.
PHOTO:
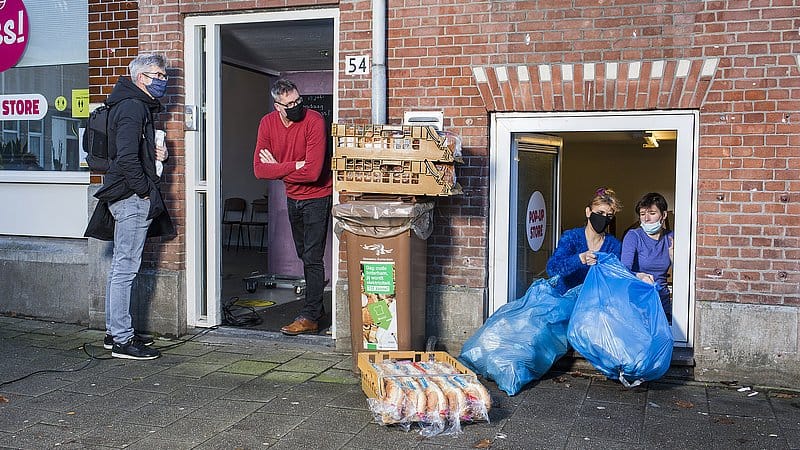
(453, 142)
(432, 396)
(619, 325)
(522, 339)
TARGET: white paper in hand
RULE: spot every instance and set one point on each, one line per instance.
(160, 136)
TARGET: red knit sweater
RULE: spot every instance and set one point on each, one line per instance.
(300, 141)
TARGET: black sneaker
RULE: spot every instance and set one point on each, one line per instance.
(108, 341)
(134, 349)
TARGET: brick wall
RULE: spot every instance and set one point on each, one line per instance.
(161, 31)
(113, 41)
(748, 232)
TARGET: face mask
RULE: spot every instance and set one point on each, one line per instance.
(157, 88)
(599, 222)
(651, 228)
(296, 113)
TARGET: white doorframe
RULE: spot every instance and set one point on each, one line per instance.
(209, 314)
(503, 125)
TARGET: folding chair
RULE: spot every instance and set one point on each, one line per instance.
(233, 216)
(259, 219)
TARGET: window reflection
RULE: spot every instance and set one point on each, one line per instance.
(51, 143)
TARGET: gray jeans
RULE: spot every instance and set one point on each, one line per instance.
(130, 232)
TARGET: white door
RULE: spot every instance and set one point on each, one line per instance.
(202, 62)
(533, 209)
(504, 195)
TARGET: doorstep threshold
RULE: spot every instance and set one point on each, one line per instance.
(229, 334)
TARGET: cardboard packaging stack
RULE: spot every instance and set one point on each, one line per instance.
(395, 159)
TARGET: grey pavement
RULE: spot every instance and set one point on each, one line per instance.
(231, 390)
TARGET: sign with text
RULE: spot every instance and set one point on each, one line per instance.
(14, 32)
(80, 103)
(356, 65)
(535, 221)
(378, 306)
(23, 107)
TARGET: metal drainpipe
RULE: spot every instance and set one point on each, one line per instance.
(379, 61)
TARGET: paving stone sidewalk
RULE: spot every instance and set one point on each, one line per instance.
(228, 390)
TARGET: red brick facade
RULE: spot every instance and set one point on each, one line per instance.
(113, 41)
(748, 231)
(748, 226)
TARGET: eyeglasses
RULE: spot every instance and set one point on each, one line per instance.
(159, 75)
(291, 104)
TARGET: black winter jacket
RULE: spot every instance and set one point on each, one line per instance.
(133, 169)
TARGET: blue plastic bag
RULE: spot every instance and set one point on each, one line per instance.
(523, 338)
(619, 326)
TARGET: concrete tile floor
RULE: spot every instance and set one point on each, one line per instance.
(224, 390)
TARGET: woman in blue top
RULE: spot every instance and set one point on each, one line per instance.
(647, 249)
(576, 248)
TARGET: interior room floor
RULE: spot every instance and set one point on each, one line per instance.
(266, 309)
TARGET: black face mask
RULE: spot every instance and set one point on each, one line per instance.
(599, 222)
(296, 113)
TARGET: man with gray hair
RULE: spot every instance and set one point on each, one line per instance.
(131, 192)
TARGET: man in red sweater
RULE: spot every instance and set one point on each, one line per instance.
(292, 147)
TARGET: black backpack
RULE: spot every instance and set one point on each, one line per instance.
(99, 150)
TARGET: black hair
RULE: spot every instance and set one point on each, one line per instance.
(650, 199)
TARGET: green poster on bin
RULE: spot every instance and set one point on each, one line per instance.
(378, 277)
(380, 313)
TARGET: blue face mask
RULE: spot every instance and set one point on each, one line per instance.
(651, 228)
(157, 88)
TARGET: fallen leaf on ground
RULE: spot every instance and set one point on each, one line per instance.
(783, 395)
(3, 399)
(684, 404)
(724, 420)
(483, 443)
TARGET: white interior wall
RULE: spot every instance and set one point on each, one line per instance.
(244, 102)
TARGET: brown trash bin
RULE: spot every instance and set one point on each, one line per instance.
(386, 273)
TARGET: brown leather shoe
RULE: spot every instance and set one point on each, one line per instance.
(301, 325)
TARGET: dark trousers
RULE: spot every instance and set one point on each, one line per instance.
(310, 220)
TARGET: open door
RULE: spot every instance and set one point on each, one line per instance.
(535, 170)
(210, 56)
(202, 207)
(589, 155)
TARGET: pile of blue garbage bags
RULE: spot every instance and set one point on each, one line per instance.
(613, 319)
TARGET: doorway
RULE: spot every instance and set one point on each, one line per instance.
(231, 62)
(544, 169)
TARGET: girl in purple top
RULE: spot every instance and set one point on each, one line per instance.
(647, 249)
(576, 248)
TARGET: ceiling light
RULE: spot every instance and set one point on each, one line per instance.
(650, 141)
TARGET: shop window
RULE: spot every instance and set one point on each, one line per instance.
(55, 67)
(35, 137)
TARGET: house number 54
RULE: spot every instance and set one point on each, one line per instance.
(357, 65)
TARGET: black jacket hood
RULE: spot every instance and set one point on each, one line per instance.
(125, 89)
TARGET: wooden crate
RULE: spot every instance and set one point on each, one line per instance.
(394, 176)
(392, 141)
(372, 383)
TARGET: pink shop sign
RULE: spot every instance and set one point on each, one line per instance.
(14, 32)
